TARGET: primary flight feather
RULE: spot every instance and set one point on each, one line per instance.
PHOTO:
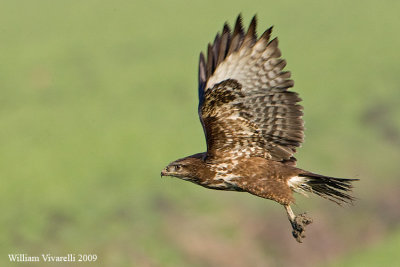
(253, 124)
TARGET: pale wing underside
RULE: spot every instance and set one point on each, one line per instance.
(244, 106)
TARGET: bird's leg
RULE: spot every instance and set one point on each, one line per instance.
(298, 223)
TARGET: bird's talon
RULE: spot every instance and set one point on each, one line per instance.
(298, 225)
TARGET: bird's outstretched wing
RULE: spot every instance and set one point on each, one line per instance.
(244, 103)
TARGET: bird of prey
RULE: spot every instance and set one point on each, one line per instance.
(253, 124)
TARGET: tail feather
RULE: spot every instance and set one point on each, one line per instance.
(331, 188)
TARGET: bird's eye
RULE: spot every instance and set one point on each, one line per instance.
(178, 167)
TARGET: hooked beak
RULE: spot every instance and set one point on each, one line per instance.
(164, 172)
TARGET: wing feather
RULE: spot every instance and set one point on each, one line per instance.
(245, 106)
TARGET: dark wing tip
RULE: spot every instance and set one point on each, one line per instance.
(209, 63)
(226, 43)
(252, 27)
(238, 24)
(222, 50)
(267, 34)
(274, 42)
(251, 37)
(202, 69)
(202, 76)
(226, 28)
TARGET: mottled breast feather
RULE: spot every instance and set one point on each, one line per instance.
(244, 104)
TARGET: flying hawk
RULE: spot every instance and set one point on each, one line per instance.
(253, 125)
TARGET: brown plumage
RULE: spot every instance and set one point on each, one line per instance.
(253, 125)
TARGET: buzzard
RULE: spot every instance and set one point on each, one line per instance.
(253, 124)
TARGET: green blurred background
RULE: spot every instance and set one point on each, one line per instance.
(98, 96)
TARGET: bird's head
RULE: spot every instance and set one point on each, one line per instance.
(190, 168)
(177, 169)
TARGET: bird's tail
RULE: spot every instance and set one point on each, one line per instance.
(334, 189)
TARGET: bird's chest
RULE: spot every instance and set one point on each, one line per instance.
(239, 173)
(225, 177)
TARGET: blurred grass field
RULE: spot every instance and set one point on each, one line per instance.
(98, 96)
